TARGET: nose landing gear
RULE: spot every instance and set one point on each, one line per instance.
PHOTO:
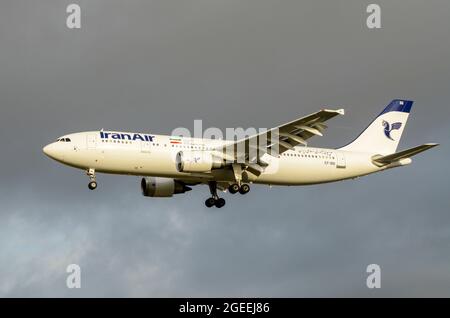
(92, 185)
(92, 182)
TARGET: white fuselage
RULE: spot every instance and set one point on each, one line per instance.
(155, 156)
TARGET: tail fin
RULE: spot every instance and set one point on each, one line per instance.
(383, 134)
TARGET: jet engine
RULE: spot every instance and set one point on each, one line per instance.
(197, 161)
(162, 187)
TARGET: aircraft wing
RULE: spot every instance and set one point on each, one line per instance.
(283, 137)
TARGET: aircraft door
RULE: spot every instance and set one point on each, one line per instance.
(145, 146)
(340, 160)
(91, 141)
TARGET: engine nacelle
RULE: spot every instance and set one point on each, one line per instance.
(162, 187)
(197, 161)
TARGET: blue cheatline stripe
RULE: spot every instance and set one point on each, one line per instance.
(398, 105)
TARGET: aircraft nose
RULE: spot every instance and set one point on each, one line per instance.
(45, 150)
(48, 150)
(51, 151)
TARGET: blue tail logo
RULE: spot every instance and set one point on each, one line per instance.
(388, 128)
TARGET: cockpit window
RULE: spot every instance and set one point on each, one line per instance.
(63, 140)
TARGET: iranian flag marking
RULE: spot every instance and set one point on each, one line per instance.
(175, 140)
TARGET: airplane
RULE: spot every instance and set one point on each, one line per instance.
(171, 165)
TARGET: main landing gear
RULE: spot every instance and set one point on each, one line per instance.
(214, 200)
(92, 183)
(235, 188)
(242, 188)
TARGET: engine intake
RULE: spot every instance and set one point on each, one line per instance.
(197, 161)
(162, 187)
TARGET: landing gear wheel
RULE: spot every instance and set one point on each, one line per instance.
(91, 174)
(245, 188)
(92, 185)
(214, 199)
(210, 202)
(220, 202)
(234, 188)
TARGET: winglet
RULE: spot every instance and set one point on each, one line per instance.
(340, 111)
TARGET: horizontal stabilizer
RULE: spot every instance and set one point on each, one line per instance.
(395, 157)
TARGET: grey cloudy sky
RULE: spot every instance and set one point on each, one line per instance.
(157, 65)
